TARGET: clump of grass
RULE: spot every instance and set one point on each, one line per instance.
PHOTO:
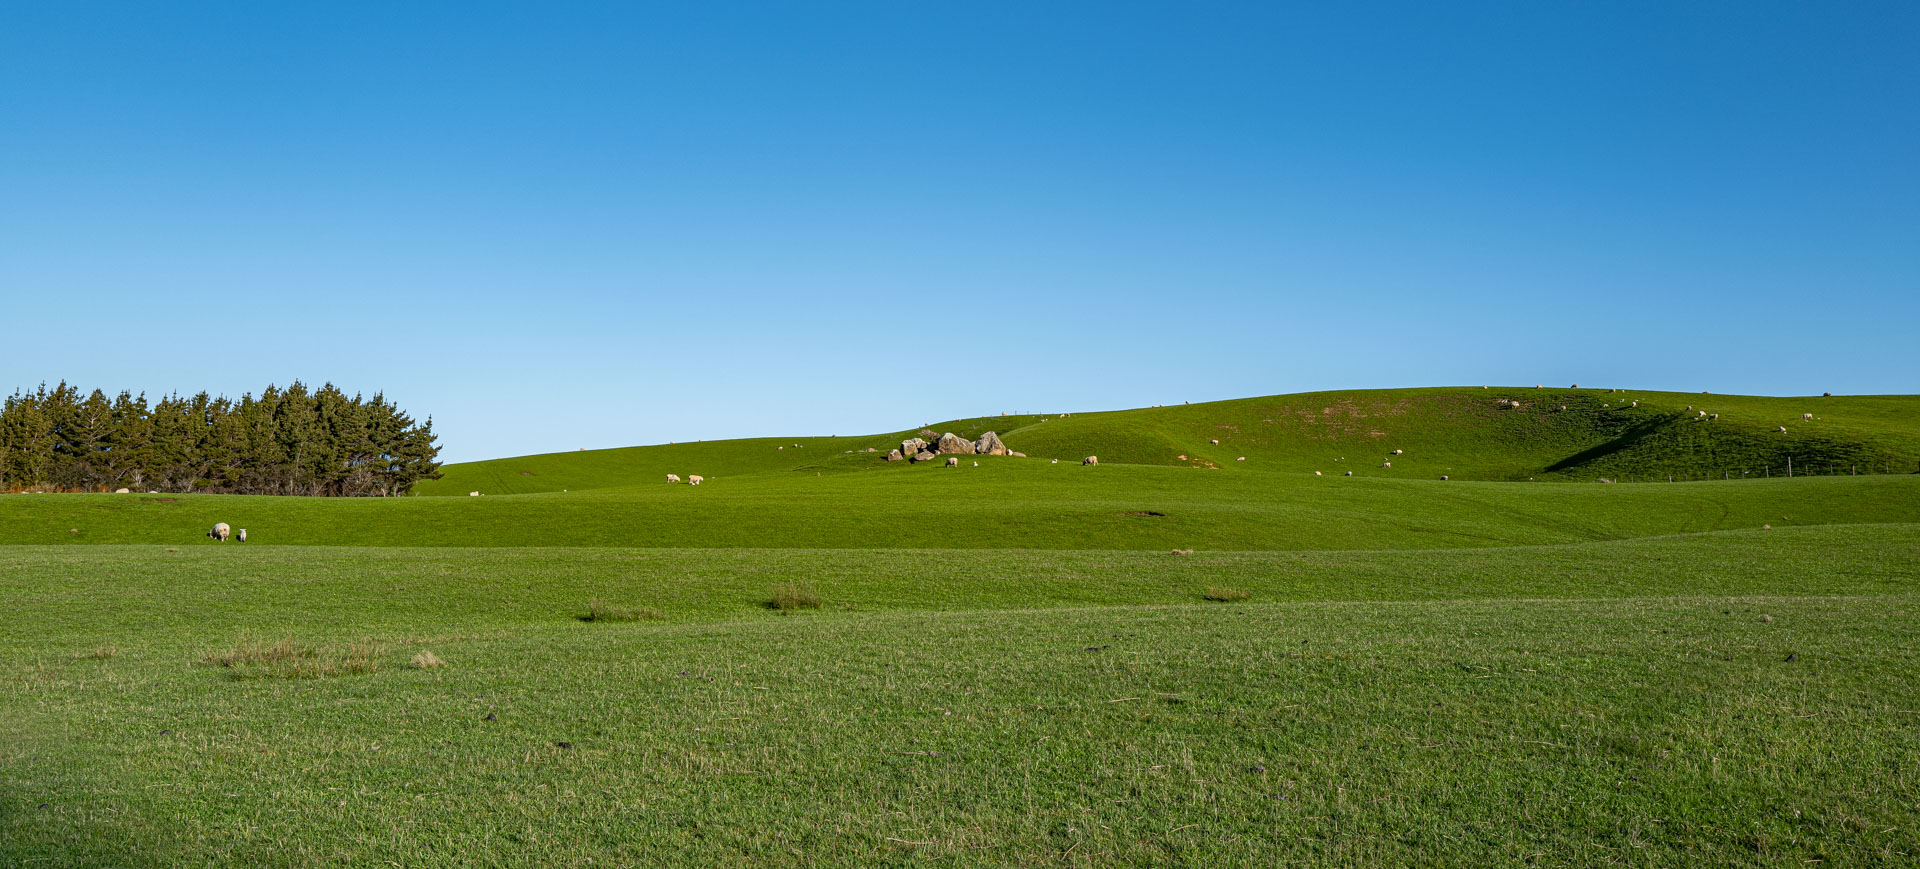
(602, 611)
(1223, 593)
(426, 660)
(252, 658)
(101, 652)
(796, 595)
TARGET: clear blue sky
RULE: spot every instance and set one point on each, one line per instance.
(551, 225)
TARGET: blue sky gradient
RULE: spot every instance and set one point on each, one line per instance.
(553, 226)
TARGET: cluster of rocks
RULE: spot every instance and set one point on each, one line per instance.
(920, 450)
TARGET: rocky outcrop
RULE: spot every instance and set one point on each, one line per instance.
(953, 443)
(920, 450)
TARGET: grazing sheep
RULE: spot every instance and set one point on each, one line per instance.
(1090, 460)
(1349, 473)
(1826, 395)
(1713, 416)
(1576, 386)
(977, 464)
(1806, 416)
(1782, 428)
(1398, 452)
(1563, 408)
(473, 494)
(1700, 413)
(1443, 476)
(1215, 441)
(1241, 459)
(953, 461)
(1636, 404)
(241, 535)
(1316, 473)
(220, 532)
(673, 478)
(1386, 464)
(1054, 462)
(695, 479)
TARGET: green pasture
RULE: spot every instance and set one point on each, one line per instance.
(817, 658)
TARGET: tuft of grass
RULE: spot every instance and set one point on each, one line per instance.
(796, 595)
(602, 611)
(1223, 593)
(426, 660)
(101, 652)
(252, 658)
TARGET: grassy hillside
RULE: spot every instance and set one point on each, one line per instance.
(819, 658)
(1463, 433)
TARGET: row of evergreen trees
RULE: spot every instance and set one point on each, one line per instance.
(292, 441)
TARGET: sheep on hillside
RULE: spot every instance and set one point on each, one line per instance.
(953, 461)
(1806, 416)
(1090, 460)
(694, 479)
(673, 478)
(241, 535)
(220, 531)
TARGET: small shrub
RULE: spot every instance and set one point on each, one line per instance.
(601, 611)
(796, 595)
(426, 661)
(1222, 593)
(252, 658)
(101, 653)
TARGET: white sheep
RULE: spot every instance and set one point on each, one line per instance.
(1398, 452)
(1090, 460)
(473, 494)
(1241, 459)
(673, 478)
(220, 531)
(1316, 473)
(241, 535)
(953, 461)
(694, 479)
(1806, 416)
(1054, 462)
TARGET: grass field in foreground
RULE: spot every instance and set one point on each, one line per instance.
(1741, 698)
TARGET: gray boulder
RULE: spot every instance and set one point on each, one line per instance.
(895, 456)
(924, 456)
(953, 443)
(989, 445)
(912, 445)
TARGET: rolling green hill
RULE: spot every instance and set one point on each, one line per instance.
(821, 658)
(1499, 434)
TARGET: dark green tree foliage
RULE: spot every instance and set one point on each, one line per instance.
(292, 441)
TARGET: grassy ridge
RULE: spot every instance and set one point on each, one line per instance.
(1003, 503)
(1465, 433)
